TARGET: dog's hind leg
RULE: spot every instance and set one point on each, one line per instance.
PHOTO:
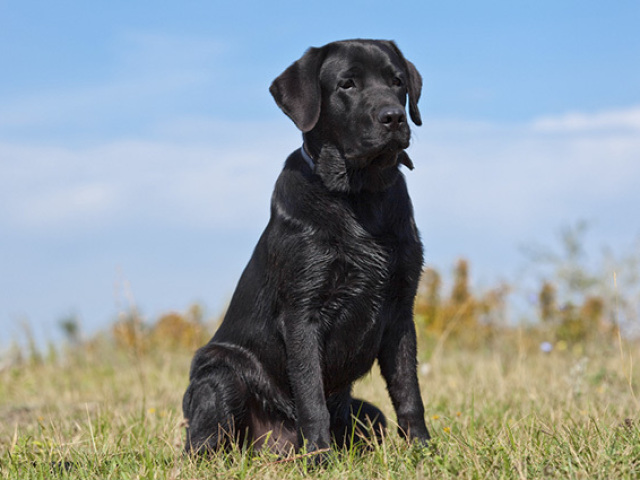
(214, 407)
(354, 421)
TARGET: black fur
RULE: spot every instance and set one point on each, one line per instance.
(330, 286)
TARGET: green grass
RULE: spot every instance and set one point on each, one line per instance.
(504, 412)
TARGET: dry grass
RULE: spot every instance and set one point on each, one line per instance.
(504, 412)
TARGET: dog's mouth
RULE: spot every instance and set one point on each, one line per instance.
(395, 144)
(381, 156)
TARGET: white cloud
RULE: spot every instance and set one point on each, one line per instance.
(628, 118)
(470, 179)
(490, 187)
(171, 182)
(72, 203)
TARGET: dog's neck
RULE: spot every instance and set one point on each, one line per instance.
(327, 161)
(332, 167)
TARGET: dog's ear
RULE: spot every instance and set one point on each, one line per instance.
(414, 86)
(297, 90)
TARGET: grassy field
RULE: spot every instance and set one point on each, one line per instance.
(502, 411)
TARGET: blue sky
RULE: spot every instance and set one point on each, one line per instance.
(139, 143)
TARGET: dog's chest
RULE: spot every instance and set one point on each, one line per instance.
(358, 298)
(350, 309)
(361, 259)
(347, 264)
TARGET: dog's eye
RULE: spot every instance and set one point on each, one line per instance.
(397, 82)
(347, 84)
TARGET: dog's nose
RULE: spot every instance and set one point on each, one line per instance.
(392, 116)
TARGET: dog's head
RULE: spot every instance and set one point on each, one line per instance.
(349, 98)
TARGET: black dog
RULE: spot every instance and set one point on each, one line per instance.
(331, 284)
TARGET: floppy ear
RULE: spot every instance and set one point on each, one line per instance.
(297, 90)
(414, 86)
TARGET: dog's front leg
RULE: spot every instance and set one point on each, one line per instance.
(397, 361)
(305, 375)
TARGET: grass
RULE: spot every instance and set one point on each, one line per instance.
(98, 411)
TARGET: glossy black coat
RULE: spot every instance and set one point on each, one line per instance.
(330, 286)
